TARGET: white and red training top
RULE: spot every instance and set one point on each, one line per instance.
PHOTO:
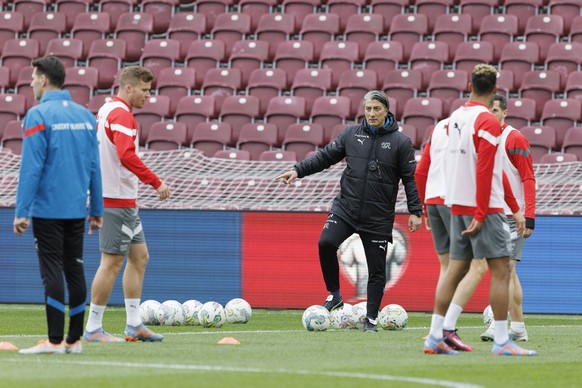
(430, 171)
(120, 166)
(474, 173)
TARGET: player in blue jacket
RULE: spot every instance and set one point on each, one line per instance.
(59, 165)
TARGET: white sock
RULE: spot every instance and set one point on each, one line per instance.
(500, 334)
(517, 327)
(95, 320)
(132, 311)
(451, 317)
(436, 327)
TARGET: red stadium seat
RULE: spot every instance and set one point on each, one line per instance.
(567, 9)
(520, 112)
(448, 85)
(275, 29)
(115, 8)
(544, 30)
(411, 132)
(29, 8)
(478, 9)
(564, 58)
(256, 9)
(11, 26)
(193, 110)
(519, 57)
(211, 9)
(310, 84)
(19, 53)
(541, 139)
(278, 156)
(204, 55)
(186, 27)
(165, 136)
(163, 10)
(12, 107)
(300, 9)
(4, 79)
(470, 54)
(383, 56)
(230, 28)
(11, 137)
(540, 86)
(23, 87)
(68, 50)
(402, 85)
(160, 54)
(211, 137)
(221, 83)
(72, 8)
(46, 26)
(338, 57)
(303, 138)
(284, 111)
(408, 29)
(346, 9)
(433, 9)
(363, 29)
(89, 27)
(134, 28)
(573, 142)
(523, 10)
(574, 85)
(422, 112)
(292, 56)
(337, 130)
(388, 9)
(330, 111)
(498, 30)
(257, 138)
(428, 57)
(156, 108)
(505, 82)
(238, 111)
(176, 82)
(558, 157)
(354, 84)
(81, 82)
(97, 101)
(266, 84)
(248, 55)
(453, 29)
(319, 28)
(561, 114)
(106, 55)
(233, 154)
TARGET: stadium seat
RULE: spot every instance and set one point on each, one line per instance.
(336, 131)
(402, 85)
(81, 82)
(11, 136)
(478, 9)
(574, 85)
(408, 29)
(204, 55)
(237, 111)
(107, 56)
(330, 111)
(4, 79)
(186, 27)
(569, 10)
(345, 9)
(115, 8)
(275, 29)
(540, 86)
(388, 9)
(19, 53)
(29, 8)
(11, 26)
(210, 137)
(300, 9)
(319, 28)
(89, 27)
(544, 30)
(561, 114)
(505, 82)
(433, 9)
(72, 8)
(221, 83)
(338, 57)
(192, 110)
(453, 29)
(565, 58)
(257, 138)
(278, 156)
(12, 107)
(363, 29)
(422, 112)
(284, 111)
(160, 54)
(383, 56)
(310, 84)
(23, 87)
(68, 50)
(176, 82)
(163, 10)
(541, 139)
(233, 154)
(558, 157)
(498, 30)
(469, 54)
(256, 9)
(523, 10)
(165, 136)
(248, 55)
(46, 26)
(519, 57)
(354, 84)
(292, 56)
(457, 103)
(134, 28)
(266, 84)
(411, 132)
(231, 27)
(520, 112)
(303, 138)
(428, 57)
(156, 108)
(573, 142)
(448, 85)
(211, 9)
(97, 101)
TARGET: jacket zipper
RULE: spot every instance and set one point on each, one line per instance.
(372, 147)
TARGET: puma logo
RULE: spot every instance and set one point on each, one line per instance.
(383, 247)
(361, 141)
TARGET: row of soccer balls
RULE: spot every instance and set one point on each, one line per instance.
(194, 313)
(317, 318)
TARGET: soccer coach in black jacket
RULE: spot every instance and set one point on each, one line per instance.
(378, 157)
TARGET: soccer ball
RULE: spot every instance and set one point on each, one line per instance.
(191, 308)
(488, 317)
(359, 310)
(316, 318)
(211, 314)
(170, 313)
(147, 312)
(343, 318)
(238, 311)
(393, 317)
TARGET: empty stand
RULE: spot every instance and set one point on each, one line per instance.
(29, 8)
(363, 29)
(107, 56)
(97, 101)
(68, 50)
(156, 108)
(319, 28)
(89, 27)
(422, 112)
(567, 9)
(311, 84)
(428, 57)
(46, 26)
(159, 54)
(448, 85)
(115, 8)
(565, 58)
(558, 157)
(433, 9)
(520, 112)
(176, 82)
(505, 82)
(210, 137)
(330, 111)
(248, 55)
(402, 85)
(186, 27)
(478, 9)
(4, 79)
(498, 30)
(204, 55)
(237, 111)
(134, 28)
(81, 82)
(275, 29)
(338, 57)
(300, 9)
(257, 138)
(345, 9)
(541, 139)
(231, 27)
(519, 57)
(354, 84)
(284, 111)
(23, 87)
(278, 156)
(233, 154)
(11, 136)
(163, 10)
(256, 9)
(411, 132)
(469, 54)
(211, 9)
(453, 29)
(266, 84)
(388, 9)
(574, 85)
(381, 57)
(11, 25)
(523, 10)
(303, 138)
(18, 53)
(544, 30)
(561, 114)
(221, 83)
(192, 110)
(292, 56)
(12, 107)
(165, 136)
(72, 8)
(408, 29)
(573, 142)
(540, 86)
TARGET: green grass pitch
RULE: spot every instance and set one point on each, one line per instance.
(276, 351)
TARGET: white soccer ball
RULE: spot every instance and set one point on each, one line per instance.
(170, 313)
(393, 317)
(343, 318)
(211, 314)
(316, 318)
(359, 310)
(238, 310)
(148, 310)
(488, 317)
(191, 308)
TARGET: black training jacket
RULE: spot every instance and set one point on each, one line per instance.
(369, 183)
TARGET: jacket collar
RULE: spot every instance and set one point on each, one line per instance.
(52, 95)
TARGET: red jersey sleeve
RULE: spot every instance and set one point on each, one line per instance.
(519, 153)
(421, 173)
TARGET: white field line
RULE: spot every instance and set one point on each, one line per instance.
(212, 368)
